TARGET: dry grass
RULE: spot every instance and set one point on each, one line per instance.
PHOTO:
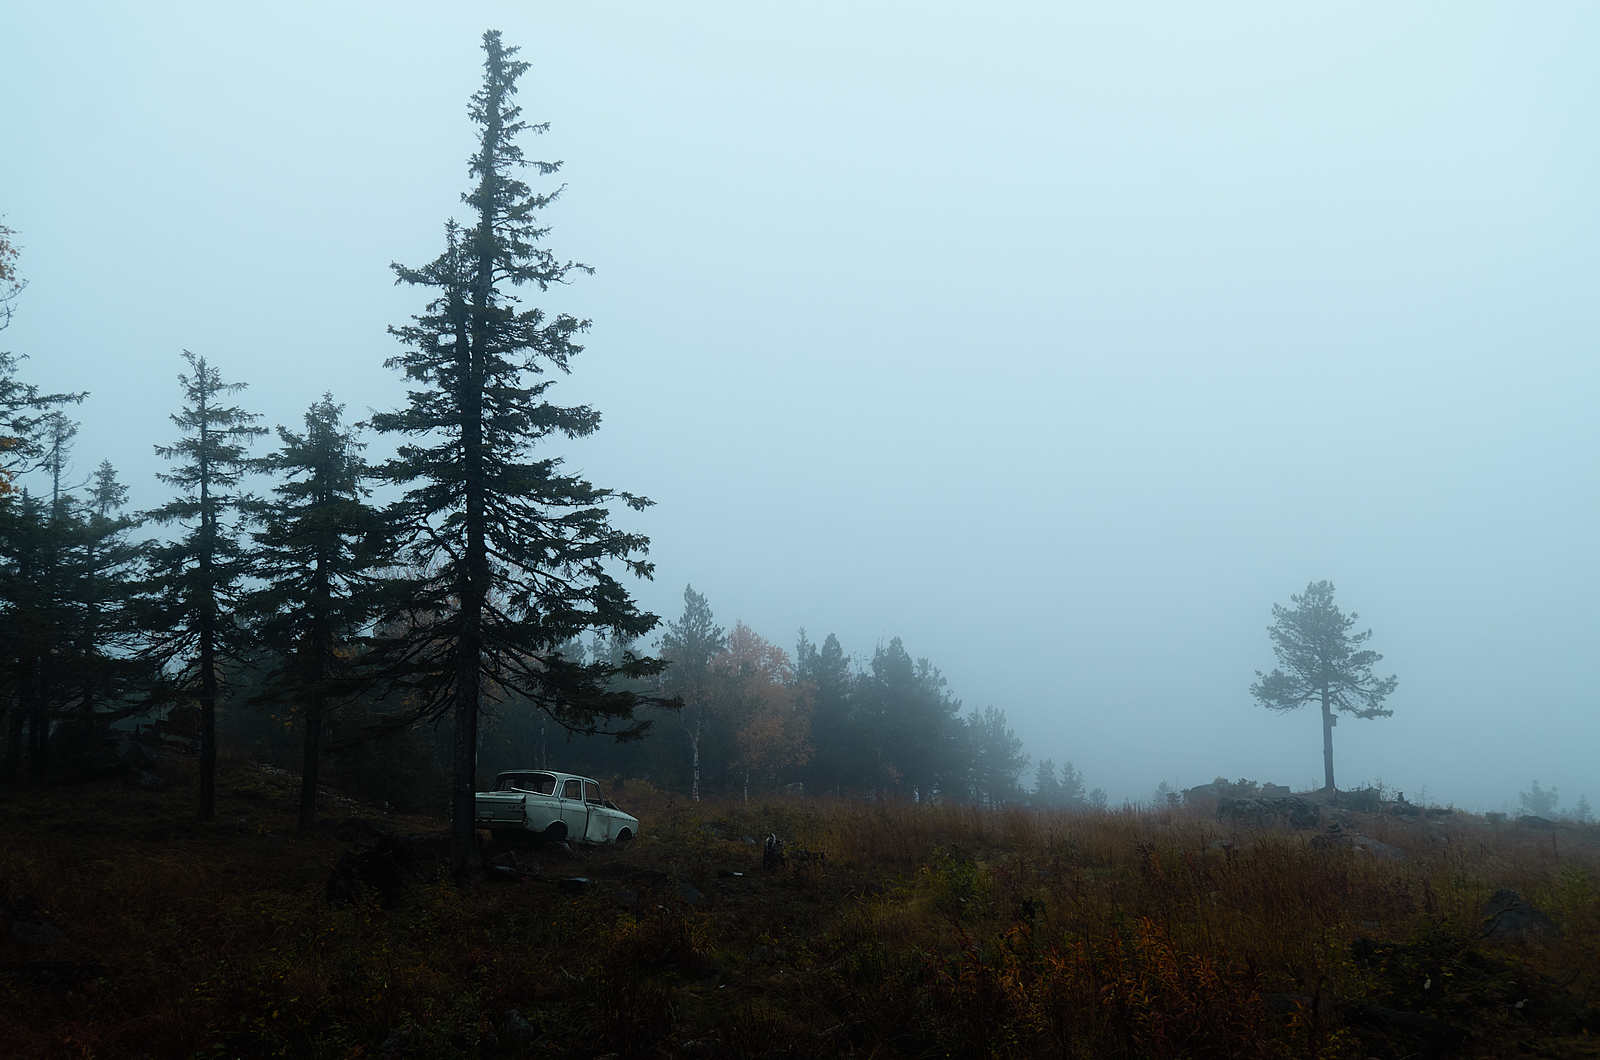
(927, 930)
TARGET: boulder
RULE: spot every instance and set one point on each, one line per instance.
(1292, 810)
(518, 1030)
(1507, 916)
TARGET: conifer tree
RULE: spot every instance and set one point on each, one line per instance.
(107, 567)
(198, 575)
(318, 552)
(517, 556)
(689, 645)
(1320, 661)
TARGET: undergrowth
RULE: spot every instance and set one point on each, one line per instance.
(893, 930)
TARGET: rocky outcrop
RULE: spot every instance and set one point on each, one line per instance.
(1292, 810)
(1337, 838)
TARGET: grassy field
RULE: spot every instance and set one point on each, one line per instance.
(925, 931)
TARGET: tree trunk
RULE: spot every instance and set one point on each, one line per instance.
(208, 721)
(1327, 742)
(463, 799)
(694, 747)
(38, 725)
(308, 765)
(16, 718)
(208, 631)
(471, 348)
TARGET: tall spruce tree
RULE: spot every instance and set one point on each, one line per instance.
(110, 672)
(198, 575)
(318, 554)
(516, 556)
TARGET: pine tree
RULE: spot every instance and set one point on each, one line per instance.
(198, 576)
(516, 555)
(1320, 661)
(996, 757)
(317, 558)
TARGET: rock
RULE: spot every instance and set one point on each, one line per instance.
(149, 781)
(575, 885)
(1509, 917)
(1298, 813)
(688, 892)
(1336, 838)
(748, 840)
(519, 1030)
(507, 860)
(1275, 791)
(1529, 820)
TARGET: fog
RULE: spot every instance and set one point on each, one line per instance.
(1061, 341)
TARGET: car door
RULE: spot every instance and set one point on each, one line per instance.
(599, 820)
(574, 811)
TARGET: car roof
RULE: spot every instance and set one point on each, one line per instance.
(547, 772)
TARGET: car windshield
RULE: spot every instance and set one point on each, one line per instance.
(537, 783)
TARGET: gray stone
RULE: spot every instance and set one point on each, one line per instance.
(689, 893)
(1509, 917)
(519, 1030)
(575, 885)
(1292, 810)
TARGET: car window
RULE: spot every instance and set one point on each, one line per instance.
(573, 789)
(538, 783)
(591, 791)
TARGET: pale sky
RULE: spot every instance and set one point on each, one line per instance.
(1059, 340)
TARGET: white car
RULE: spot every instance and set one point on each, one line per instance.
(545, 806)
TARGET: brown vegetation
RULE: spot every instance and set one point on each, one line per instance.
(892, 930)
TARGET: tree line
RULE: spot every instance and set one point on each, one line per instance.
(481, 604)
